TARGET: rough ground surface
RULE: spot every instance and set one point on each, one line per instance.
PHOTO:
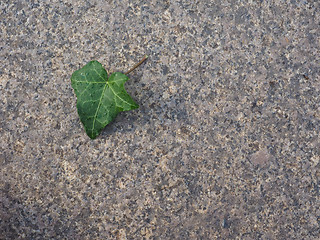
(225, 144)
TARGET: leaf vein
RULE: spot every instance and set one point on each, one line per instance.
(114, 81)
(98, 74)
(120, 97)
(95, 116)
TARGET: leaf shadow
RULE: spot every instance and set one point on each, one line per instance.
(124, 122)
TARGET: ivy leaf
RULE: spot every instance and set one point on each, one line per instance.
(99, 98)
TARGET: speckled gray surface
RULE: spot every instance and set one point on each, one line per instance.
(224, 145)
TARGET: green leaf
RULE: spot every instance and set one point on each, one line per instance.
(99, 98)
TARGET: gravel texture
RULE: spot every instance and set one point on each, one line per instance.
(225, 144)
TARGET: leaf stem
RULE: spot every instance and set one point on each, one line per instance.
(137, 65)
